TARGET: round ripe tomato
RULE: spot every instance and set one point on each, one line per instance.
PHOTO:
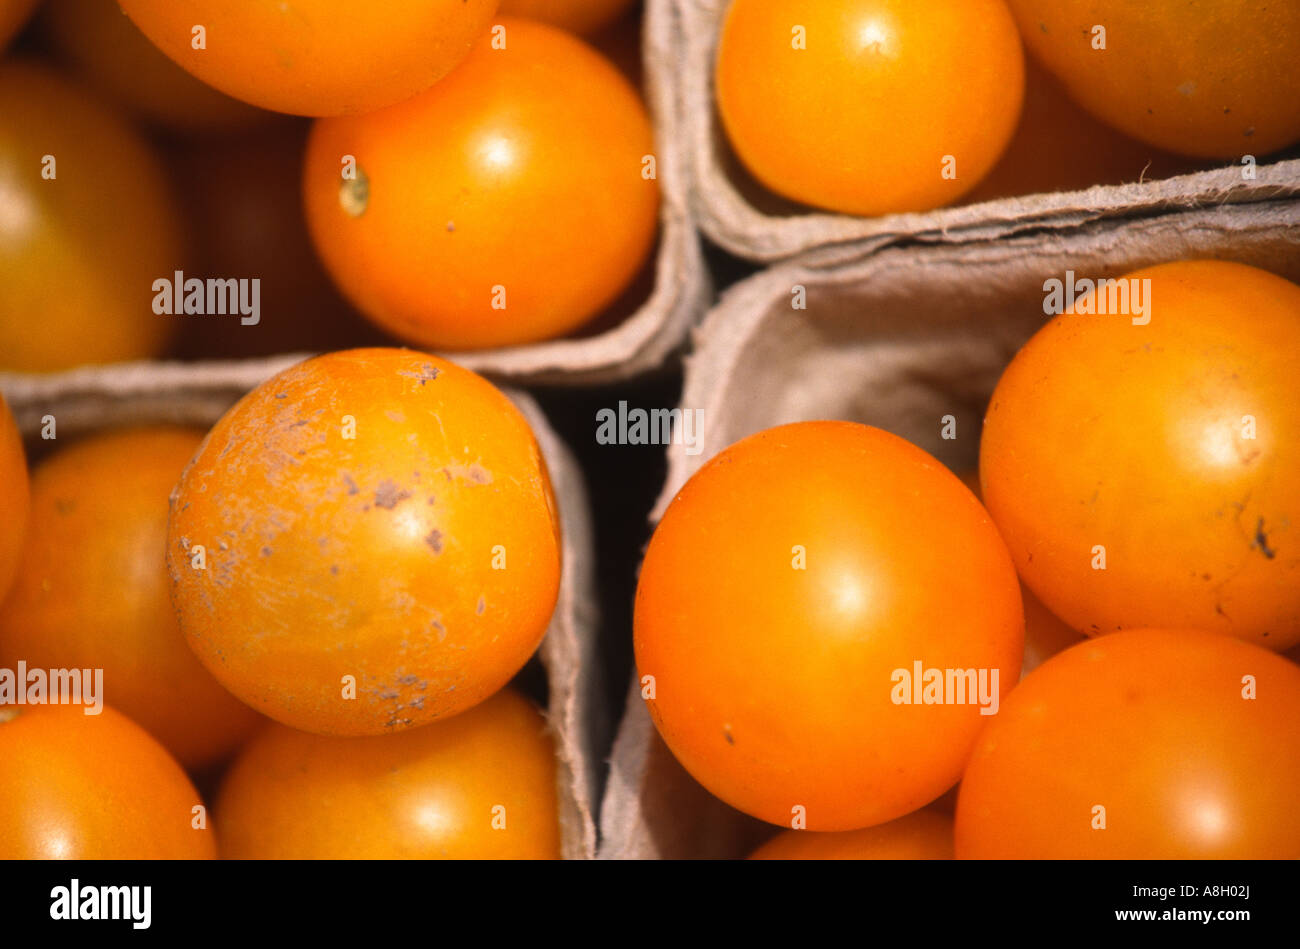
(102, 44)
(92, 590)
(380, 544)
(478, 786)
(15, 495)
(1172, 447)
(792, 581)
(316, 57)
(578, 16)
(92, 787)
(1155, 727)
(922, 835)
(498, 208)
(862, 106)
(13, 14)
(1215, 79)
(79, 251)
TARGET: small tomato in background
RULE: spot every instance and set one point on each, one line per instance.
(1169, 447)
(15, 496)
(113, 57)
(477, 786)
(315, 57)
(506, 205)
(378, 518)
(584, 17)
(1141, 745)
(92, 590)
(1213, 79)
(93, 787)
(922, 835)
(789, 583)
(86, 227)
(869, 106)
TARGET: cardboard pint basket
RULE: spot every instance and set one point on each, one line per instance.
(88, 400)
(740, 215)
(658, 325)
(897, 339)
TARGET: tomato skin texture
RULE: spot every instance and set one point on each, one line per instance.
(504, 206)
(423, 794)
(316, 57)
(429, 543)
(922, 835)
(583, 17)
(84, 248)
(92, 787)
(773, 684)
(860, 121)
(1153, 726)
(1130, 437)
(92, 590)
(1214, 79)
(15, 496)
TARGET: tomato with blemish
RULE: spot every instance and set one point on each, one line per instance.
(791, 584)
(869, 106)
(1144, 467)
(923, 835)
(92, 590)
(315, 57)
(366, 542)
(15, 496)
(478, 786)
(509, 204)
(1141, 745)
(93, 787)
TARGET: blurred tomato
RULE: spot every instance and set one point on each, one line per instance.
(87, 224)
(1170, 448)
(1152, 744)
(15, 496)
(316, 57)
(792, 585)
(1215, 78)
(580, 16)
(478, 786)
(92, 590)
(858, 105)
(506, 205)
(92, 787)
(922, 835)
(380, 543)
(13, 14)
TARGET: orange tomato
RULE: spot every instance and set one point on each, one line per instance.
(1171, 448)
(379, 543)
(869, 106)
(789, 588)
(1151, 744)
(92, 787)
(13, 14)
(315, 57)
(1215, 79)
(578, 16)
(506, 205)
(88, 225)
(922, 835)
(479, 786)
(15, 494)
(92, 590)
(102, 44)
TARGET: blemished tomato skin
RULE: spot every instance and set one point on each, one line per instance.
(82, 248)
(1171, 447)
(15, 496)
(316, 57)
(379, 514)
(93, 787)
(857, 105)
(1188, 741)
(583, 17)
(1214, 79)
(478, 786)
(788, 581)
(923, 835)
(506, 205)
(92, 590)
